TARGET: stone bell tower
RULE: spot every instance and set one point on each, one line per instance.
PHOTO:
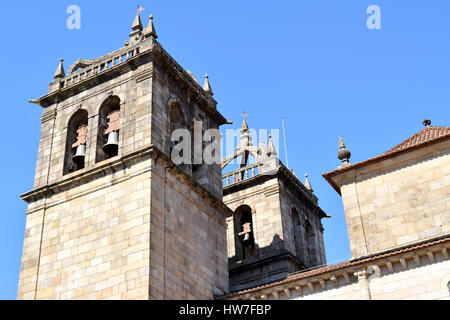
(111, 216)
(276, 225)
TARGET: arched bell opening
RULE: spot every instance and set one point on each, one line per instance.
(180, 138)
(297, 234)
(243, 228)
(75, 154)
(310, 243)
(108, 129)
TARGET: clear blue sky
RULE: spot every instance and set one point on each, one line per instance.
(313, 62)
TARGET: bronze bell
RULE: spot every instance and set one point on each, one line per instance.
(112, 145)
(80, 154)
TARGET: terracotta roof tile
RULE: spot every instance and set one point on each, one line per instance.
(424, 136)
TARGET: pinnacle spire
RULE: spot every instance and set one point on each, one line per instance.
(150, 31)
(137, 24)
(207, 86)
(307, 184)
(244, 127)
(341, 143)
(136, 27)
(60, 73)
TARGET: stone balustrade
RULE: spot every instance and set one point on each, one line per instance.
(94, 69)
(242, 174)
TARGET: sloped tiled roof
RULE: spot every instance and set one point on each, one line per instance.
(339, 266)
(423, 138)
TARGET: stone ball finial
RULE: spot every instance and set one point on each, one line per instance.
(308, 184)
(343, 154)
(426, 122)
(207, 86)
(151, 17)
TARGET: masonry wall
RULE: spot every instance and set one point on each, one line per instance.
(92, 241)
(423, 274)
(165, 92)
(427, 282)
(312, 253)
(188, 258)
(398, 201)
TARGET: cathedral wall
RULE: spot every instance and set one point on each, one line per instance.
(428, 282)
(347, 292)
(188, 258)
(398, 201)
(91, 241)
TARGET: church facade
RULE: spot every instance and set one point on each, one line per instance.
(112, 216)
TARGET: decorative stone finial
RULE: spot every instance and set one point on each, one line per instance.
(271, 152)
(150, 31)
(244, 127)
(207, 86)
(426, 122)
(245, 138)
(343, 154)
(136, 27)
(60, 73)
(307, 184)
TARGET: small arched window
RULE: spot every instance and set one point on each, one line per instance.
(108, 129)
(177, 121)
(76, 141)
(297, 232)
(243, 228)
(310, 243)
(180, 133)
(197, 144)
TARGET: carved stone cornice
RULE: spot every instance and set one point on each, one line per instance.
(339, 274)
(115, 164)
(361, 274)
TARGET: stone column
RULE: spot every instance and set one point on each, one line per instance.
(363, 284)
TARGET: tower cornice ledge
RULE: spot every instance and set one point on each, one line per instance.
(113, 165)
